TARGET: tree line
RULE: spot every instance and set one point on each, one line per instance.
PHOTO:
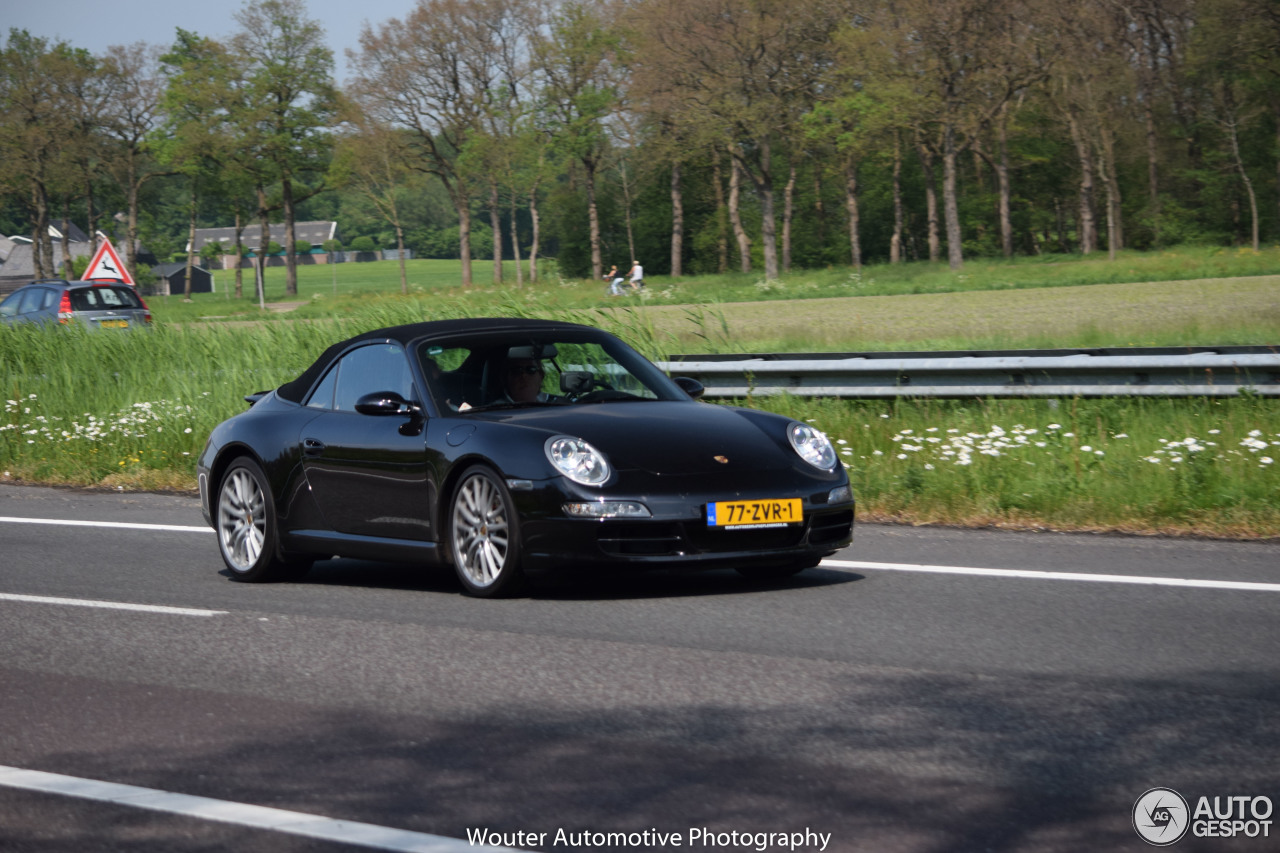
(699, 135)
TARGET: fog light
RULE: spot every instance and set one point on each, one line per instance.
(840, 495)
(607, 509)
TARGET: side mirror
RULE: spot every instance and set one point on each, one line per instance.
(386, 403)
(690, 386)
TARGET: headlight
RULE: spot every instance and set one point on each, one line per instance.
(607, 509)
(577, 460)
(813, 446)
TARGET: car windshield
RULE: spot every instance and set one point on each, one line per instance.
(488, 374)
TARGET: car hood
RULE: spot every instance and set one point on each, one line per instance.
(663, 437)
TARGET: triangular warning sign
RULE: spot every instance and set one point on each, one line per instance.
(106, 264)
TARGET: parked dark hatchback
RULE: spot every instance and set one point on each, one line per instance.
(93, 304)
(502, 447)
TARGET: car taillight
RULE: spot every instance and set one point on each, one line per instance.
(64, 308)
(146, 317)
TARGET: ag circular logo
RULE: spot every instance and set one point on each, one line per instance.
(1161, 817)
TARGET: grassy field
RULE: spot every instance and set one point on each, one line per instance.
(132, 411)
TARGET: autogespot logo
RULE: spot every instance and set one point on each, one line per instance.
(1161, 817)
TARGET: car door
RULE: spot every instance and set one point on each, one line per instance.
(369, 474)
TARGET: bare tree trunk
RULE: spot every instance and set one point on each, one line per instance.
(534, 244)
(404, 272)
(1234, 136)
(788, 203)
(677, 223)
(951, 208)
(66, 241)
(722, 227)
(41, 248)
(92, 214)
(290, 241)
(191, 243)
(515, 242)
(464, 241)
(1104, 173)
(593, 218)
(1002, 180)
(1153, 163)
(131, 226)
(735, 216)
(1088, 230)
(495, 225)
(762, 183)
(626, 211)
(264, 246)
(851, 205)
(462, 206)
(1115, 207)
(930, 199)
(819, 210)
(1276, 110)
(895, 241)
(240, 224)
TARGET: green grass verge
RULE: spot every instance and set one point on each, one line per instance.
(325, 290)
(131, 411)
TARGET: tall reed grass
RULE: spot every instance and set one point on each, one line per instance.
(132, 411)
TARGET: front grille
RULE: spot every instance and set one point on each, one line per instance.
(633, 540)
(676, 538)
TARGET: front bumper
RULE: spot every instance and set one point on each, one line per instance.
(553, 543)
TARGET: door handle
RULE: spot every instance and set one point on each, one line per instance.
(312, 446)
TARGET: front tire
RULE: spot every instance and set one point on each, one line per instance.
(246, 527)
(484, 535)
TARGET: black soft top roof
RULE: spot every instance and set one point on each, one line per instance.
(296, 390)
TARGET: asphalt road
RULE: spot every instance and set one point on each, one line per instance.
(860, 706)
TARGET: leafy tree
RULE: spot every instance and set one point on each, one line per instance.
(373, 160)
(195, 140)
(435, 74)
(33, 130)
(747, 71)
(579, 68)
(136, 91)
(289, 102)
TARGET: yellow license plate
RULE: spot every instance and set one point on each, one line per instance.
(114, 324)
(765, 513)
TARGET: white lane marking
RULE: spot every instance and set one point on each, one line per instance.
(114, 525)
(240, 814)
(110, 605)
(1054, 576)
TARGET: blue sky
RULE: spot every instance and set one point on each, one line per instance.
(95, 25)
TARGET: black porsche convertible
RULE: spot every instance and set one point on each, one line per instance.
(505, 448)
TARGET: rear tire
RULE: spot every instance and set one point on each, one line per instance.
(484, 535)
(245, 522)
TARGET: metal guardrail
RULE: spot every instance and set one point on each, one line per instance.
(1109, 372)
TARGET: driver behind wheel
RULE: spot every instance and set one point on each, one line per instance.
(522, 380)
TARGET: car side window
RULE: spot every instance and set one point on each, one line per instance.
(9, 306)
(322, 397)
(32, 300)
(377, 367)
